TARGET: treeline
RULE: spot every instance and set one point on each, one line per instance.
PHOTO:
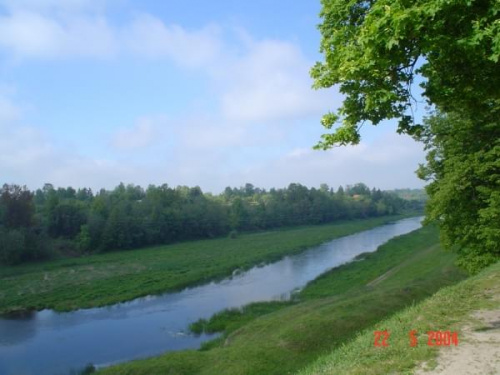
(411, 194)
(36, 225)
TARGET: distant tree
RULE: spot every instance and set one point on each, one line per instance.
(228, 192)
(11, 246)
(239, 214)
(249, 190)
(84, 194)
(18, 206)
(73, 221)
(66, 219)
(359, 189)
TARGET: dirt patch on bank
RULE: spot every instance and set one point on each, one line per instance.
(478, 351)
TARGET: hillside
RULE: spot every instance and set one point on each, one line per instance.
(470, 308)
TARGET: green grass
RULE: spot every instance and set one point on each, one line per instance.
(448, 310)
(119, 276)
(231, 319)
(329, 312)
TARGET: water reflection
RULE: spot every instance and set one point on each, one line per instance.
(18, 328)
(51, 343)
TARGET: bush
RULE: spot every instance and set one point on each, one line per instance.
(11, 246)
(22, 245)
(89, 369)
(233, 234)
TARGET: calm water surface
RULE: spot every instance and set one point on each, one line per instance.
(48, 343)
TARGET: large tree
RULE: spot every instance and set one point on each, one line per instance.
(18, 208)
(463, 168)
(375, 50)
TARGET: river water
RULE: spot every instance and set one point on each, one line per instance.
(51, 343)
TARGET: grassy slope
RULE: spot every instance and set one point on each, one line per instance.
(331, 311)
(447, 310)
(114, 277)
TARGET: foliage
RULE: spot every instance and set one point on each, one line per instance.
(130, 217)
(20, 239)
(18, 207)
(87, 370)
(11, 246)
(464, 174)
(417, 195)
(22, 245)
(376, 50)
(231, 319)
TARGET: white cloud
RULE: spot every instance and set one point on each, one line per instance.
(29, 157)
(21, 147)
(271, 82)
(144, 133)
(80, 171)
(50, 29)
(9, 112)
(256, 80)
(388, 162)
(148, 36)
(29, 34)
(202, 156)
(59, 5)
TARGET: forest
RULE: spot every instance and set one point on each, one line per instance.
(52, 222)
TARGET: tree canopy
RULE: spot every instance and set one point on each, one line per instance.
(375, 50)
(53, 221)
(463, 170)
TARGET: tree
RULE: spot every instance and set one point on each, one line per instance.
(375, 50)
(11, 246)
(62, 220)
(464, 190)
(66, 219)
(18, 207)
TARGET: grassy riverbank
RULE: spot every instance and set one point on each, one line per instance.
(283, 338)
(119, 276)
(450, 309)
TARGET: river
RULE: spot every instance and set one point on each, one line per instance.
(51, 343)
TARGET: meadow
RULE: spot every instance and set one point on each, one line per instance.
(450, 309)
(103, 279)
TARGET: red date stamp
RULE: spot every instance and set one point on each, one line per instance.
(381, 338)
(434, 338)
(439, 338)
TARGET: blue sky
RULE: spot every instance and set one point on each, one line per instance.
(214, 94)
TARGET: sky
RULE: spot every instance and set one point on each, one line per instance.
(182, 92)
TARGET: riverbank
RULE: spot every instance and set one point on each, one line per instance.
(283, 338)
(470, 308)
(110, 278)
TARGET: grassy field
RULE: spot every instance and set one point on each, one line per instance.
(447, 310)
(282, 338)
(114, 277)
